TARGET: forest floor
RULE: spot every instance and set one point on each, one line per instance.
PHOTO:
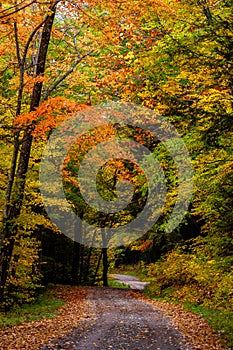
(110, 318)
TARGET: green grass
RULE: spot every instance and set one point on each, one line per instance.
(46, 306)
(112, 283)
(221, 321)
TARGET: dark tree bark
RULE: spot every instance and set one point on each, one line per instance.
(88, 263)
(206, 10)
(81, 271)
(105, 266)
(87, 266)
(105, 259)
(75, 270)
(97, 268)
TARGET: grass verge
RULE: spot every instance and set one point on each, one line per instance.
(220, 320)
(115, 284)
(46, 306)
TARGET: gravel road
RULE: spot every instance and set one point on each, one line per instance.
(133, 282)
(118, 321)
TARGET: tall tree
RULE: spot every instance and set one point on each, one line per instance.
(18, 169)
(33, 26)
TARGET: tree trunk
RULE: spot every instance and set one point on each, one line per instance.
(105, 266)
(97, 268)
(105, 259)
(75, 270)
(81, 271)
(88, 263)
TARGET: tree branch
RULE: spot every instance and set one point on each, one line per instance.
(30, 39)
(63, 77)
(17, 43)
(17, 10)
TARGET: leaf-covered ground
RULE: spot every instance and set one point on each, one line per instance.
(31, 336)
(195, 329)
(85, 312)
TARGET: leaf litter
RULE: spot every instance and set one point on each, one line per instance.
(33, 335)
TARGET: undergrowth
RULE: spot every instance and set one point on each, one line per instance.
(198, 275)
(46, 306)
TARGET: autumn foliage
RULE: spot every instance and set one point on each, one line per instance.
(47, 116)
(174, 57)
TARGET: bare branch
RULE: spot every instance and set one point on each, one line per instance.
(30, 39)
(65, 75)
(17, 43)
(16, 10)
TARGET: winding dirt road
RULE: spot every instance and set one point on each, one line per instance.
(119, 321)
(107, 318)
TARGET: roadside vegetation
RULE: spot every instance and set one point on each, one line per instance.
(184, 279)
(46, 306)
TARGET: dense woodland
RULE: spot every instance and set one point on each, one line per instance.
(173, 57)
